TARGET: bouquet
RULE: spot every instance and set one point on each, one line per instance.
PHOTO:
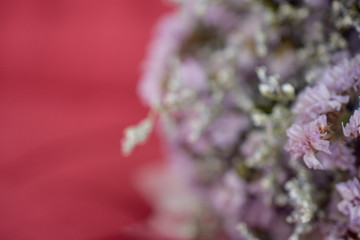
(258, 105)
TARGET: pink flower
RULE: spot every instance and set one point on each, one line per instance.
(229, 195)
(225, 130)
(317, 100)
(221, 18)
(341, 157)
(193, 75)
(344, 76)
(170, 33)
(350, 192)
(305, 139)
(350, 205)
(352, 128)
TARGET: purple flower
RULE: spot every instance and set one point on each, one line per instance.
(221, 18)
(350, 192)
(343, 76)
(341, 157)
(170, 34)
(352, 128)
(350, 205)
(305, 139)
(193, 75)
(229, 195)
(225, 130)
(317, 100)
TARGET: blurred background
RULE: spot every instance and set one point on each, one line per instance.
(68, 76)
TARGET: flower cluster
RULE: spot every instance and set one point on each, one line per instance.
(352, 129)
(350, 205)
(305, 140)
(258, 106)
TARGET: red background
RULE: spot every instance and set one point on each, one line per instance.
(68, 75)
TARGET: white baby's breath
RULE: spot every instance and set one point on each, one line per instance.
(137, 134)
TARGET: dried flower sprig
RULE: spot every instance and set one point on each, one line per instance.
(137, 134)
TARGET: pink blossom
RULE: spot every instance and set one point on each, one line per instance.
(221, 18)
(352, 128)
(350, 205)
(317, 100)
(341, 157)
(193, 75)
(304, 140)
(229, 195)
(170, 33)
(225, 130)
(342, 77)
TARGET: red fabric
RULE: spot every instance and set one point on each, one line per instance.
(68, 73)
